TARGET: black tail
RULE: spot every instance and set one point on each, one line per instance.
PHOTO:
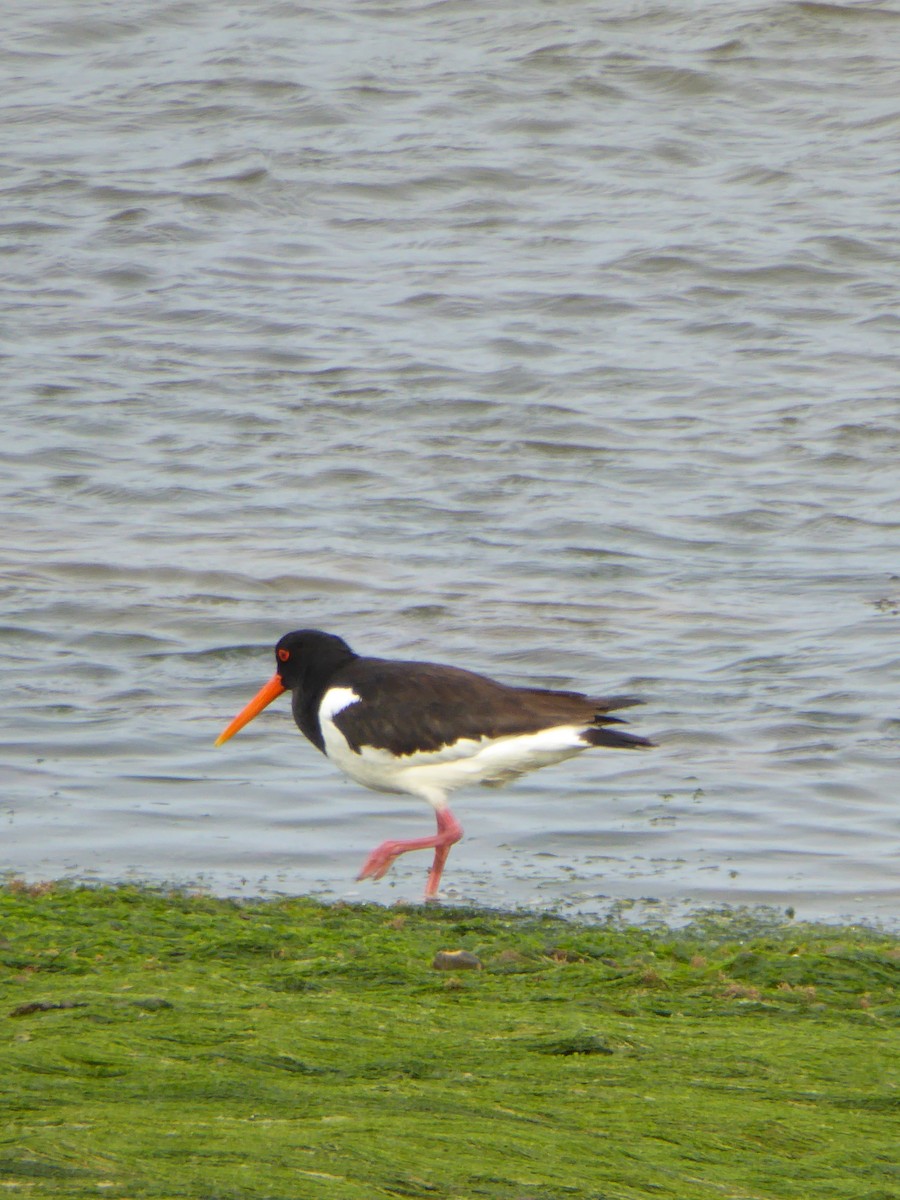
(599, 736)
(605, 704)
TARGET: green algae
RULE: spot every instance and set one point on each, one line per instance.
(167, 1045)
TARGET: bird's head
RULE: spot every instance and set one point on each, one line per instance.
(303, 658)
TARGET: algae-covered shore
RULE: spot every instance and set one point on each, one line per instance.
(168, 1045)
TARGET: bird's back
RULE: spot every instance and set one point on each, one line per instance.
(406, 707)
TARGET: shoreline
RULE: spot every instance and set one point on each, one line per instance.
(594, 908)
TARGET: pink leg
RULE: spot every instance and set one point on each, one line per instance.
(449, 831)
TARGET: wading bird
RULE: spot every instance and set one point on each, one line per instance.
(425, 729)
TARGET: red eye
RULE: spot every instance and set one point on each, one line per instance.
(283, 654)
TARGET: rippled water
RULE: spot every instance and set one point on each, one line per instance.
(556, 341)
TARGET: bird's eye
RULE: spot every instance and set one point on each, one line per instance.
(283, 654)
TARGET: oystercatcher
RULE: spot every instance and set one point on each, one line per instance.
(426, 729)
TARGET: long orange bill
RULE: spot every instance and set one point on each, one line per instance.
(263, 697)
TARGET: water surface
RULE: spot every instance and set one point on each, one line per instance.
(559, 342)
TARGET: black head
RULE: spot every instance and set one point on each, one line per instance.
(308, 657)
(305, 661)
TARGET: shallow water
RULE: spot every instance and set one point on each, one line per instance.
(554, 342)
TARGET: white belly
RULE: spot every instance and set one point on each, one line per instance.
(432, 775)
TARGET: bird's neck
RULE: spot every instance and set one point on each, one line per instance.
(314, 682)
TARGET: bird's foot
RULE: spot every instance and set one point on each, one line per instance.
(382, 858)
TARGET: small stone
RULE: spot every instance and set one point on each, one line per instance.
(456, 960)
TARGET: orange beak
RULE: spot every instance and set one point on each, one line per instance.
(263, 697)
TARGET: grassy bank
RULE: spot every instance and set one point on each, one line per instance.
(159, 1045)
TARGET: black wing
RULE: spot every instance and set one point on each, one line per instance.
(407, 707)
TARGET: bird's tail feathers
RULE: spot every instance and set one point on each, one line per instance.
(615, 738)
(605, 704)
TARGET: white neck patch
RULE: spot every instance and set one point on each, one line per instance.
(335, 700)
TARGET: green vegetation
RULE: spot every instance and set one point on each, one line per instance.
(166, 1045)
